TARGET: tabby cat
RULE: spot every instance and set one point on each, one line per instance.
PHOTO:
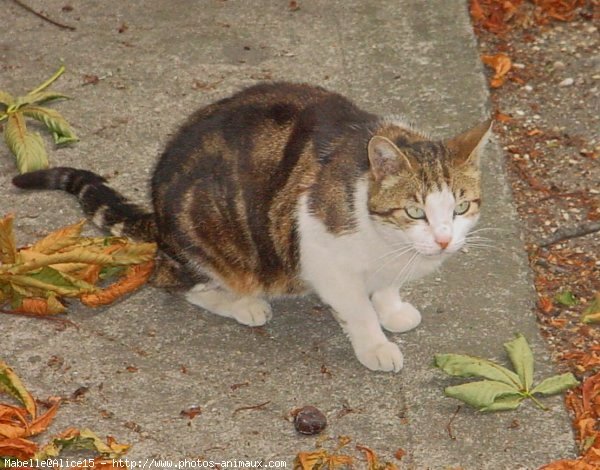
(283, 189)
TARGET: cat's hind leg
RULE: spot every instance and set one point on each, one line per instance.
(394, 314)
(247, 310)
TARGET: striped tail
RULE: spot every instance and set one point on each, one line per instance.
(108, 209)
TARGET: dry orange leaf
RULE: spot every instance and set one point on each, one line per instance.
(546, 304)
(135, 277)
(501, 64)
(501, 117)
(49, 306)
(373, 460)
(21, 449)
(320, 459)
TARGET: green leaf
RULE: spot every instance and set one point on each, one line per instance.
(506, 403)
(481, 394)
(521, 357)
(470, 366)
(556, 384)
(6, 98)
(80, 440)
(566, 298)
(27, 147)
(51, 280)
(52, 119)
(111, 271)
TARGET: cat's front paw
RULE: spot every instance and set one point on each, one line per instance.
(396, 316)
(251, 311)
(383, 356)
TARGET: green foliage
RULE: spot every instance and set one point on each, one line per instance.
(28, 147)
(502, 388)
(566, 298)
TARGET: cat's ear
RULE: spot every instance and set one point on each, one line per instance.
(386, 158)
(467, 147)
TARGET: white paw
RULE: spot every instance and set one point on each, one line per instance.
(251, 311)
(384, 357)
(397, 316)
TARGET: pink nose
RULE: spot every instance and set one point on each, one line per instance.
(443, 242)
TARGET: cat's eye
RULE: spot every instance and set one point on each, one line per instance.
(461, 208)
(415, 212)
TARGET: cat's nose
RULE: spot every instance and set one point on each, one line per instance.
(443, 242)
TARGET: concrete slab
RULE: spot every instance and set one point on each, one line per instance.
(415, 58)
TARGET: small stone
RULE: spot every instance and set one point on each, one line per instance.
(558, 65)
(528, 88)
(567, 82)
(309, 420)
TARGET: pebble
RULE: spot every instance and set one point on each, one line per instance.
(558, 65)
(567, 82)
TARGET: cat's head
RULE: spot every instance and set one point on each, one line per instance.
(426, 193)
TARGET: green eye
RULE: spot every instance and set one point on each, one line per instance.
(415, 212)
(461, 208)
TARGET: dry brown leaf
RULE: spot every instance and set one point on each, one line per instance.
(135, 277)
(49, 306)
(320, 460)
(21, 449)
(373, 461)
(40, 424)
(501, 64)
(8, 249)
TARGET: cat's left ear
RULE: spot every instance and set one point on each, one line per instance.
(467, 147)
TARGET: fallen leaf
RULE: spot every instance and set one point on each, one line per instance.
(501, 64)
(546, 304)
(11, 384)
(135, 277)
(566, 298)
(320, 459)
(373, 461)
(18, 448)
(592, 313)
(503, 389)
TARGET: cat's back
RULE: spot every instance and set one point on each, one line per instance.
(228, 184)
(256, 122)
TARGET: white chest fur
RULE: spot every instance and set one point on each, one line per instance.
(380, 257)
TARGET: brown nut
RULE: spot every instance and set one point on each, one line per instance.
(309, 420)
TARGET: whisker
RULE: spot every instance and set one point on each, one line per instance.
(392, 258)
(402, 249)
(405, 267)
(490, 228)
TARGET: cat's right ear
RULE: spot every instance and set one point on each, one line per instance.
(386, 158)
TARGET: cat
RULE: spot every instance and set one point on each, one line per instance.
(284, 189)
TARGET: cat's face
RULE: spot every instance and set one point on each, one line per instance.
(427, 194)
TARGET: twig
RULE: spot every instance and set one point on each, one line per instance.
(252, 407)
(449, 425)
(44, 17)
(568, 233)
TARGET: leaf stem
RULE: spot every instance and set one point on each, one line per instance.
(49, 82)
(3, 116)
(536, 401)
